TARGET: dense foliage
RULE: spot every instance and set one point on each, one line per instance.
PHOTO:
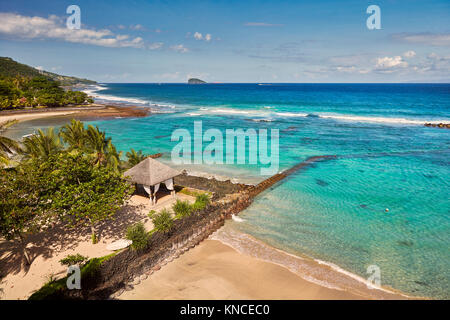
(134, 157)
(72, 181)
(11, 69)
(7, 145)
(20, 92)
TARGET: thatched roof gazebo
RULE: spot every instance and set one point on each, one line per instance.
(150, 173)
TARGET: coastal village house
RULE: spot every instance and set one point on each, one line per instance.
(149, 174)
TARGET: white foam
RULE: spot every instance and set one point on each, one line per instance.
(330, 276)
(236, 218)
(269, 115)
(94, 89)
(380, 119)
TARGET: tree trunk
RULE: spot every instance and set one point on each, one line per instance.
(93, 236)
(24, 249)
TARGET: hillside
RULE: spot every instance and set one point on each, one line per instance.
(11, 68)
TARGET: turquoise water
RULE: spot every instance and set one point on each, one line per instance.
(335, 210)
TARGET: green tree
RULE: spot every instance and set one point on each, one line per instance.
(7, 145)
(25, 194)
(43, 144)
(87, 195)
(135, 157)
(74, 134)
(101, 149)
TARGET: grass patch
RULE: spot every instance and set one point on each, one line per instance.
(193, 193)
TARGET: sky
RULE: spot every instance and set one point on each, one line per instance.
(232, 41)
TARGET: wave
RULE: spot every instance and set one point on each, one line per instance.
(237, 218)
(269, 115)
(316, 271)
(265, 114)
(93, 91)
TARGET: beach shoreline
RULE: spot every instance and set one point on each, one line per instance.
(91, 112)
(215, 270)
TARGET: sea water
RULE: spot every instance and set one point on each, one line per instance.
(383, 201)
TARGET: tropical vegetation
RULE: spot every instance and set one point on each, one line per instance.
(7, 145)
(163, 221)
(139, 237)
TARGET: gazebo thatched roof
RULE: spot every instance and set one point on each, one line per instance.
(150, 172)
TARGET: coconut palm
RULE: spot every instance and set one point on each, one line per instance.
(101, 149)
(42, 144)
(135, 157)
(7, 145)
(74, 134)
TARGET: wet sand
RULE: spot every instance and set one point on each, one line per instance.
(213, 270)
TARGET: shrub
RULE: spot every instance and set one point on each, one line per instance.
(201, 201)
(151, 213)
(138, 235)
(182, 208)
(73, 259)
(163, 221)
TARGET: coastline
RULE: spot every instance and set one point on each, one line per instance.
(93, 111)
(214, 270)
(238, 258)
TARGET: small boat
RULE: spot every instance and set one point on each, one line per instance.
(28, 135)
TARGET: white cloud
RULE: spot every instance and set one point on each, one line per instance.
(40, 68)
(29, 28)
(346, 69)
(137, 27)
(198, 36)
(387, 64)
(179, 48)
(409, 54)
(428, 38)
(155, 45)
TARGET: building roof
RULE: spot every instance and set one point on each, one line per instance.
(150, 172)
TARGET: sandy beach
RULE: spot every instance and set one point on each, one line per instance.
(82, 113)
(213, 270)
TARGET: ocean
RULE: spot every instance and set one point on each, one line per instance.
(383, 201)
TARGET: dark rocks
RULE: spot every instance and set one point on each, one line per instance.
(322, 183)
(438, 125)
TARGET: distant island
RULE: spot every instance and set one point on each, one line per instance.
(195, 81)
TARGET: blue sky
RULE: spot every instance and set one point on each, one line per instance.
(232, 41)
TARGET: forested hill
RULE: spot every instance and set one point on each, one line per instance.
(10, 69)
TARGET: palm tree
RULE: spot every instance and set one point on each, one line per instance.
(74, 134)
(135, 157)
(7, 145)
(42, 144)
(102, 151)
